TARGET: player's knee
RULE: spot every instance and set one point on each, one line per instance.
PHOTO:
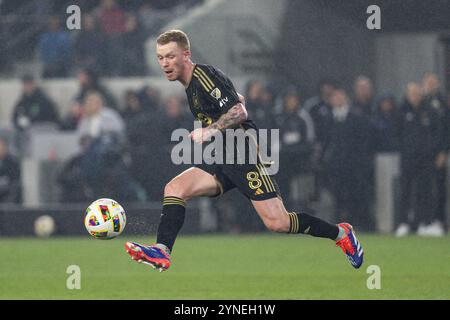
(175, 189)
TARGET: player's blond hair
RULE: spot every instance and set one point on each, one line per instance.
(177, 36)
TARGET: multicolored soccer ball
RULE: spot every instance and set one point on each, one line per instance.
(105, 219)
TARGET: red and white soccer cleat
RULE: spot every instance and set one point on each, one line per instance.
(351, 246)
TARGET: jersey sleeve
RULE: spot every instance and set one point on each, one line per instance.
(219, 88)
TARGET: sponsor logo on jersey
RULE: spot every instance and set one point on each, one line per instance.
(223, 101)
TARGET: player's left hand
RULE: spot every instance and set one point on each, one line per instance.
(201, 135)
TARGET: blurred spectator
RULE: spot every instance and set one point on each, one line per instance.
(260, 111)
(345, 160)
(133, 106)
(432, 94)
(55, 50)
(295, 150)
(436, 100)
(74, 186)
(102, 164)
(149, 144)
(133, 50)
(319, 109)
(88, 80)
(363, 102)
(149, 98)
(90, 46)
(145, 139)
(385, 121)
(421, 143)
(142, 136)
(151, 18)
(174, 116)
(98, 119)
(112, 23)
(111, 17)
(10, 185)
(33, 106)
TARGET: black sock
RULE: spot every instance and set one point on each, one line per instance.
(172, 219)
(304, 223)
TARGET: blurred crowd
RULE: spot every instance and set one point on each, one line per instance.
(111, 39)
(333, 136)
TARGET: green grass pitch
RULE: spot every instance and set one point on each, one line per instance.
(261, 266)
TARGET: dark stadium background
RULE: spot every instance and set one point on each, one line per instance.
(286, 48)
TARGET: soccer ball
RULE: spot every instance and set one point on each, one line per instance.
(44, 226)
(105, 219)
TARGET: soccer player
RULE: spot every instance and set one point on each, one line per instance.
(214, 101)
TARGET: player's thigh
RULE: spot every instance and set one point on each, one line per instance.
(191, 183)
(273, 213)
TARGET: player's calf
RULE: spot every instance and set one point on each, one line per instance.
(316, 227)
(280, 224)
(172, 219)
(276, 218)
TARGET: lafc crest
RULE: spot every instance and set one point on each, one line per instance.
(216, 94)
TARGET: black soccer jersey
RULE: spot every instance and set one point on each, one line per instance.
(211, 94)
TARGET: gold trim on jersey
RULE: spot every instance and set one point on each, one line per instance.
(265, 178)
(202, 82)
(268, 176)
(208, 79)
(204, 79)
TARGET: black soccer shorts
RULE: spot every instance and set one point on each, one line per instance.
(252, 180)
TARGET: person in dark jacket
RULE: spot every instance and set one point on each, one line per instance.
(347, 161)
(74, 186)
(385, 123)
(320, 109)
(261, 111)
(33, 106)
(295, 149)
(421, 142)
(133, 53)
(143, 141)
(437, 101)
(363, 102)
(10, 186)
(90, 46)
(89, 80)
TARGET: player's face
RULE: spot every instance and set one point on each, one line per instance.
(171, 58)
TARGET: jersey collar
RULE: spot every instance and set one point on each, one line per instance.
(190, 77)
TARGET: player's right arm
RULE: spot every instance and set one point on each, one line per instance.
(221, 92)
(231, 119)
